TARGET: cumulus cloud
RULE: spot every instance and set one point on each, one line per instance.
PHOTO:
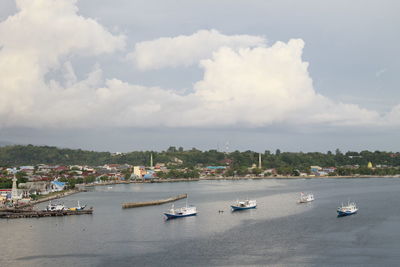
(246, 83)
(33, 42)
(186, 50)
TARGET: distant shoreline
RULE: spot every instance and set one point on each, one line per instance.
(74, 191)
(174, 180)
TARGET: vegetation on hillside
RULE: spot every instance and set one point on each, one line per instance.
(284, 162)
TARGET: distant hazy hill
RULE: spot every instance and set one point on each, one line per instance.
(5, 143)
(17, 155)
(285, 162)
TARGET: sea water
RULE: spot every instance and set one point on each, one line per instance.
(278, 232)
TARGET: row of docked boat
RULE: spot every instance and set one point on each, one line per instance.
(192, 210)
(60, 207)
(344, 210)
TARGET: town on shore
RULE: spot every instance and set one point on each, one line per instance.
(24, 184)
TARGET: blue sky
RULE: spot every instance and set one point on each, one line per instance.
(260, 75)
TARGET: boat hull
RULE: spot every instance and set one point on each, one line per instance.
(305, 201)
(175, 216)
(345, 213)
(235, 208)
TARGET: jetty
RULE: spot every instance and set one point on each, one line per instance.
(152, 203)
(29, 213)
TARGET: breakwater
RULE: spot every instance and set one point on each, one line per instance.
(17, 213)
(128, 205)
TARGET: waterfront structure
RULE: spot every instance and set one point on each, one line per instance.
(14, 191)
(57, 186)
(139, 171)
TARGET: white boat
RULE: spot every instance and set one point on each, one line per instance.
(55, 207)
(181, 212)
(349, 209)
(244, 205)
(79, 207)
(304, 198)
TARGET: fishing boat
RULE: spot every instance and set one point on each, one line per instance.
(304, 198)
(55, 207)
(79, 207)
(244, 205)
(181, 212)
(349, 209)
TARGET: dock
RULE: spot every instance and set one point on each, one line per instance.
(152, 203)
(15, 214)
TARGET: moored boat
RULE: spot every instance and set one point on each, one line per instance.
(181, 212)
(349, 209)
(55, 207)
(304, 198)
(79, 207)
(244, 205)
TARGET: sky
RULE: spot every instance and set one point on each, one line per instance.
(229, 75)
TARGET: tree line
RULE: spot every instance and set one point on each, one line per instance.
(19, 155)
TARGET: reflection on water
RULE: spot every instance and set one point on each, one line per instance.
(278, 231)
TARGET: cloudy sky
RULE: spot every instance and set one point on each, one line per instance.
(135, 75)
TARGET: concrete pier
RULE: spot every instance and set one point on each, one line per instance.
(18, 213)
(151, 203)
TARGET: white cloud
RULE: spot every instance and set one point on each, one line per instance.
(186, 50)
(33, 41)
(246, 83)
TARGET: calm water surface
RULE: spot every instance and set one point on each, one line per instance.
(279, 232)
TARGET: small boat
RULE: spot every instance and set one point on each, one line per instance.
(55, 207)
(181, 212)
(79, 207)
(349, 209)
(244, 205)
(109, 187)
(304, 198)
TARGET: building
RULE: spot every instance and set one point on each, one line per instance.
(57, 186)
(139, 172)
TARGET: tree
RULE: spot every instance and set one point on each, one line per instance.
(256, 171)
(171, 149)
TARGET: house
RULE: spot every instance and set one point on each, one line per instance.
(149, 175)
(139, 171)
(315, 169)
(57, 186)
(329, 169)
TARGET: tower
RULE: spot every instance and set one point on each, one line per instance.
(259, 161)
(151, 160)
(14, 190)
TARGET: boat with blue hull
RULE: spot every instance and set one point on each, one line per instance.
(346, 210)
(181, 212)
(244, 205)
(77, 208)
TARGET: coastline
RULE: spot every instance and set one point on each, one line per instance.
(56, 195)
(176, 180)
